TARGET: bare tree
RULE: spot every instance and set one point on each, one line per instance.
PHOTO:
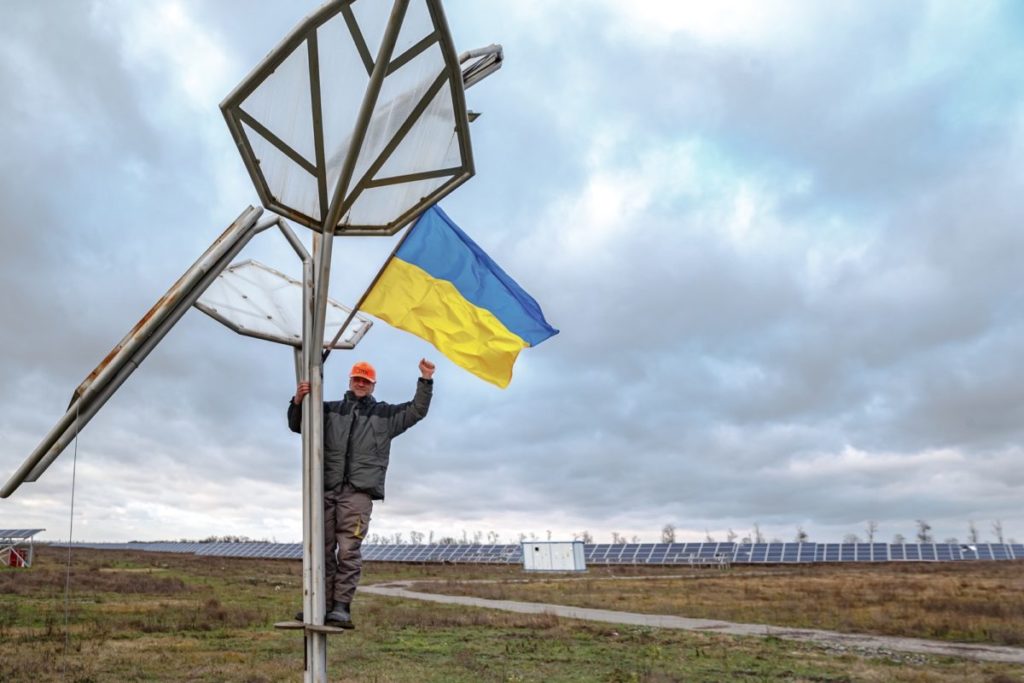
(997, 530)
(430, 539)
(869, 530)
(416, 537)
(465, 537)
(801, 535)
(478, 537)
(618, 540)
(851, 538)
(586, 537)
(924, 532)
(972, 532)
(492, 537)
(758, 536)
(899, 539)
(731, 536)
(636, 539)
(668, 534)
(952, 539)
(708, 538)
(398, 538)
(549, 534)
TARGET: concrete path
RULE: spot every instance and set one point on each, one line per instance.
(864, 643)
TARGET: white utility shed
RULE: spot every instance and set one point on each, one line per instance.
(554, 556)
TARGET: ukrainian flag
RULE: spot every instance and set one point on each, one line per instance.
(442, 287)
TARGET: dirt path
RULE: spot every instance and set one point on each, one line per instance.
(846, 641)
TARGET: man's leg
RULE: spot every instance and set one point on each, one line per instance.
(332, 514)
(352, 524)
(332, 521)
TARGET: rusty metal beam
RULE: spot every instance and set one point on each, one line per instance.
(101, 383)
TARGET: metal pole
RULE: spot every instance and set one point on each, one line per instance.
(316, 671)
(307, 559)
(313, 590)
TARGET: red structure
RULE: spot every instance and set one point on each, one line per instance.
(16, 548)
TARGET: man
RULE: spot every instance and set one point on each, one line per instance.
(357, 444)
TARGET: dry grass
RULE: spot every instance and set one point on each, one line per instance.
(974, 602)
(155, 617)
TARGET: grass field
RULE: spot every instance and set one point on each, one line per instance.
(957, 601)
(157, 617)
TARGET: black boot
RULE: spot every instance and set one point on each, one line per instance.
(299, 615)
(340, 616)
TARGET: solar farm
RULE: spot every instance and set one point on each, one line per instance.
(620, 553)
(205, 612)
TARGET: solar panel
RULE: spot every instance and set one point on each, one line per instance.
(21, 534)
(862, 552)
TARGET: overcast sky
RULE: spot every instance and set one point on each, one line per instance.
(782, 241)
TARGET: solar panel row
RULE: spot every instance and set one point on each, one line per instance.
(623, 553)
(18, 534)
(481, 554)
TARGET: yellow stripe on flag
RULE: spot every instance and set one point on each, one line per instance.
(408, 297)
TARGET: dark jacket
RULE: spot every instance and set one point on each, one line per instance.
(358, 433)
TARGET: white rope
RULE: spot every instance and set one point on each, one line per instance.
(71, 529)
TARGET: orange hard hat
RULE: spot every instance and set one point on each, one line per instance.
(364, 370)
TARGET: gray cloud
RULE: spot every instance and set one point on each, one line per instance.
(785, 275)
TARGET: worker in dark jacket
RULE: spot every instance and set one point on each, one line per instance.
(357, 445)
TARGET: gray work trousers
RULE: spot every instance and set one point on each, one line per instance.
(346, 520)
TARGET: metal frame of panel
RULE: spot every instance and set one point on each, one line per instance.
(227, 312)
(306, 34)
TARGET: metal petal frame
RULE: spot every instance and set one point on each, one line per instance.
(257, 301)
(293, 154)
